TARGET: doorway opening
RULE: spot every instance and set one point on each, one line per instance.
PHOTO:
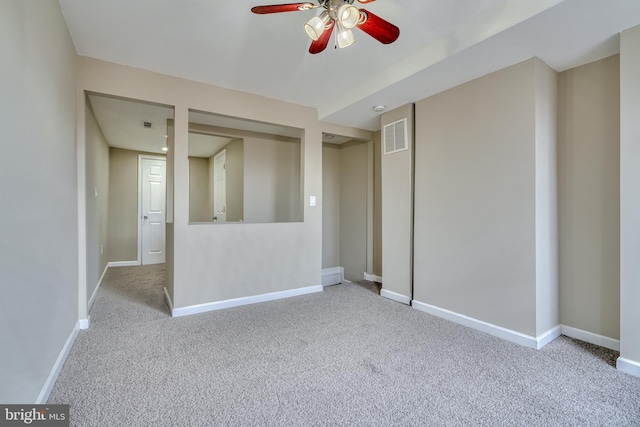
(125, 185)
(347, 210)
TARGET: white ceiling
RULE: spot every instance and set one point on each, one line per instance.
(121, 122)
(442, 43)
(205, 145)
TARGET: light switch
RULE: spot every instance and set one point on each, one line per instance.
(95, 191)
(312, 200)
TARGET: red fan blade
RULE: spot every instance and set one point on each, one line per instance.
(366, 1)
(319, 45)
(381, 30)
(277, 8)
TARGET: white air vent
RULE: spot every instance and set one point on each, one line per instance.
(395, 137)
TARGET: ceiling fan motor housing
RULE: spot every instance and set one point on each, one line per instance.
(327, 3)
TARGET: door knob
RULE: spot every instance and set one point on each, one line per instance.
(145, 217)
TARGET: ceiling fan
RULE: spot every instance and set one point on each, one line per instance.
(337, 13)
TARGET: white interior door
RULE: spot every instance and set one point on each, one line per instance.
(220, 186)
(152, 210)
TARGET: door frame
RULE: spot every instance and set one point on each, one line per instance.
(221, 153)
(140, 158)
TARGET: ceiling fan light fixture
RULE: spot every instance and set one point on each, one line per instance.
(316, 25)
(348, 15)
(344, 37)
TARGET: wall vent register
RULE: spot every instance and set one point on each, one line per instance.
(395, 137)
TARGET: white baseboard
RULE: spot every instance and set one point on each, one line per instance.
(168, 299)
(372, 278)
(628, 366)
(236, 302)
(489, 328)
(395, 296)
(546, 337)
(590, 337)
(57, 367)
(332, 276)
(123, 263)
(95, 291)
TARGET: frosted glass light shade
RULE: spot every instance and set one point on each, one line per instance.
(348, 15)
(316, 25)
(345, 37)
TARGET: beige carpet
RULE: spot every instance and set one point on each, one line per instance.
(342, 357)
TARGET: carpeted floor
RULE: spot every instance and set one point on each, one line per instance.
(343, 357)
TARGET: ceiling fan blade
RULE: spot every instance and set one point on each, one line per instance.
(277, 8)
(319, 45)
(366, 1)
(381, 30)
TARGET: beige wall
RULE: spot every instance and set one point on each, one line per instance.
(397, 210)
(331, 179)
(123, 205)
(630, 198)
(353, 209)
(199, 195)
(271, 180)
(589, 197)
(247, 259)
(475, 212)
(39, 251)
(97, 201)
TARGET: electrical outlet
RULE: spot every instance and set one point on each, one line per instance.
(95, 192)
(312, 200)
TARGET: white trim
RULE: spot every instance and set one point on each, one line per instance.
(590, 337)
(236, 302)
(139, 245)
(546, 337)
(57, 367)
(168, 299)
(123, 263)
(395, 296)
(332, 276)
(95, 291)
(628, 366)
(489, 328)
(84, 323)
(372, 277)
(218, 192)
